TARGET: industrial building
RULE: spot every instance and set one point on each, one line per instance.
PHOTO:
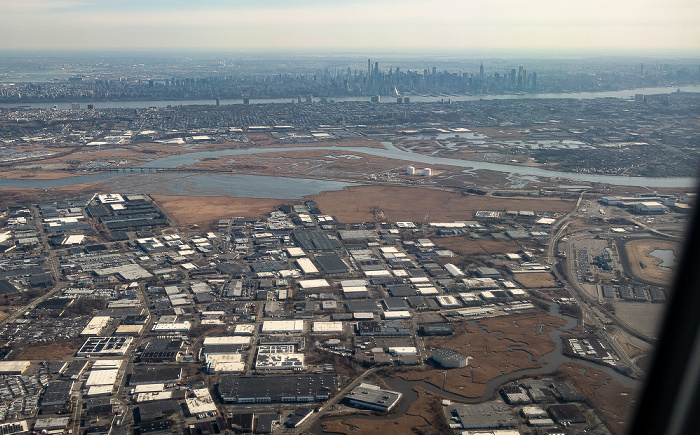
(272, 389)
(328, 327)
(449, 358)
(485, 416)
(161, 373)
(650, 207)
(105, 346)
(283, 326)
(332, 263)
(370, 396)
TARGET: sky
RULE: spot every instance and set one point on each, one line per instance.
(649, 26)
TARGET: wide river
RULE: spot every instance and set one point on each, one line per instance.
(625, 93)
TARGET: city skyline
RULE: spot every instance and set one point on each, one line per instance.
(448, 25)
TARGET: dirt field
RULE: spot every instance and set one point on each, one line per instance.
(356, 204)
(497, 345)
(424, 416)
(466, 246)
(643, 265)
(613, 401)
(202, 211)
(630, 349)
(55, 350)
(536, 280)
(644, 317)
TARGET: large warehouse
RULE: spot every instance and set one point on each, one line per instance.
(267, 389)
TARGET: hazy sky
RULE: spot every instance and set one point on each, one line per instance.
(511, 25)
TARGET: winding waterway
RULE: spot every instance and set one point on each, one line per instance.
(225, 184)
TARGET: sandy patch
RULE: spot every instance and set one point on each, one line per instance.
(644, 265)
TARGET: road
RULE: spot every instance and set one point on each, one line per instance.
(334, 401)
(52, 263)
(571, 284)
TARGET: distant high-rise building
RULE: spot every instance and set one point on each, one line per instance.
(218, 101)
(376, 68)
(75, 106)
(481, 72)
(434, 71)
(246, 101)
(534, 81)
(369, 67)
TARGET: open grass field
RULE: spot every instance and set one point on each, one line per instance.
(645, 266)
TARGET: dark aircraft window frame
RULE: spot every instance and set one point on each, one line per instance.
(669, 403)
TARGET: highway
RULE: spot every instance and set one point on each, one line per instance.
(571, 284)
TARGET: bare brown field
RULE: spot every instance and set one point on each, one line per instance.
(356, 204)
(54, 350)
(612, 400)
(536, 280)
(630, 349)
(424, 416)
(497, 345)
(38, 175)
(466, 246)
(638, 254)
(202, 210)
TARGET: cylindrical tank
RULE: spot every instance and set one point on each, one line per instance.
(427, 172)
(411, 170)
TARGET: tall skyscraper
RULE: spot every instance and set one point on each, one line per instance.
(369, 67)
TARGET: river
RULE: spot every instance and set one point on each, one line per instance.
(625, 93)
(268, 186)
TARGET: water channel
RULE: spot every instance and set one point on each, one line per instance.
(276, 187)
(552, 361)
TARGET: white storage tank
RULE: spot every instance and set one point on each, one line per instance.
(411, 170)
(427, 172)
